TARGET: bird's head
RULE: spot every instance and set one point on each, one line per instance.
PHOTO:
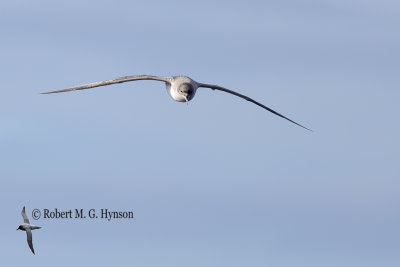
(19, 228)
(181, 88)
(187, 91)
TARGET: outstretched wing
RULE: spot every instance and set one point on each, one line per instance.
(29, 239)
(26, 220)
(217, 87)
(112, 81)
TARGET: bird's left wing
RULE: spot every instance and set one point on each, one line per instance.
(217, 87)
(26, 220)
(112, 81)
(29, 239)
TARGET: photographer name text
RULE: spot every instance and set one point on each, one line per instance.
(81, 214)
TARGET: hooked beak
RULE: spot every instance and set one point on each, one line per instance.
(187, 101)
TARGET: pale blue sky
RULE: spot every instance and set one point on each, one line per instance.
(219, 182)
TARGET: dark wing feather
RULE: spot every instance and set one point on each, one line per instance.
(26, 220)
(29, 239)
(217, 87)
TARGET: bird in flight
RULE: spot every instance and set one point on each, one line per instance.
(27, 227)
(180, 88)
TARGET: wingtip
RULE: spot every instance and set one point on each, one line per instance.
(298, 124)
(307, 129)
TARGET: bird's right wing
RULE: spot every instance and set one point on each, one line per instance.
(29, 239)
(112, 81)
(26, 220)
(217, 87)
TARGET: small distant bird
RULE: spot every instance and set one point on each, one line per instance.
(27, 227)
(180, 88)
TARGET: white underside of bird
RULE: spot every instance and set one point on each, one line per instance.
(180, 88)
